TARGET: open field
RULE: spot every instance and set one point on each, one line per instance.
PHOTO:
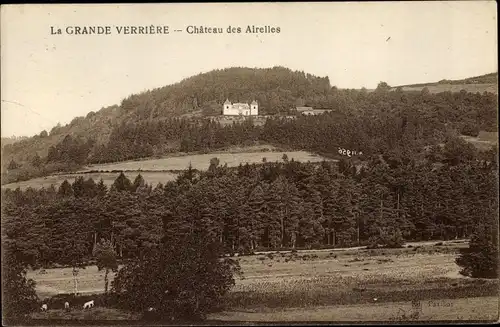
(202, 161)
(473, 88)
(478, 308)
(325, 285)
(424, 262)
(164, 169)
(483, 141)
(108, 178)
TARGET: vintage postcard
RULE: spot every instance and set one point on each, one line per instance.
(249, 163)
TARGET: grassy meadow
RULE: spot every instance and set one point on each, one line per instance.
(202, 161)
(326, 285)
(162, 170)
(483, 141)
(108, 178)
(438, 88)
(478, 308)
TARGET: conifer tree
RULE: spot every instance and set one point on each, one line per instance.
(65, 189)
(102, 189)
(138, 182)
(121, 184)
(257, 216)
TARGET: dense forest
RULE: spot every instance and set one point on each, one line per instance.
(417, 178)
(371, 122)
(375, 123)
(278, 205)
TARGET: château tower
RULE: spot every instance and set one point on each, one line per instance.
(254, 108)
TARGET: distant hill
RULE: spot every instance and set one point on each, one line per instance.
(276, 89)
(482, 83)
(491, 78)
(12, 139)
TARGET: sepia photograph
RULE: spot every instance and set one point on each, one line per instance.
(249, 163)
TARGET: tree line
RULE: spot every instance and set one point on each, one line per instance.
(164, 233)
(254, 207)
(373, 123)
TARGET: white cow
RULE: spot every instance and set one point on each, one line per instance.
(88, 305)
(66, 305)
(44, 307)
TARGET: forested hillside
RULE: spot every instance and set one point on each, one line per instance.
(151, 123)
(269, 206)
(277, 90)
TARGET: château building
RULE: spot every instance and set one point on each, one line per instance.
(307, 111)
(240, 109)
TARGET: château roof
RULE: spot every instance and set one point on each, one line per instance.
(240, 103)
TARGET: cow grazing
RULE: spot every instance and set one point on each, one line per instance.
(44, 307)
(88, 305)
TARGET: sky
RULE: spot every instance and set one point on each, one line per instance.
(48, 79)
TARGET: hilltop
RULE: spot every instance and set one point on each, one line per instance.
(482, 83)
(277, 89)
(171, 119)
(491, 78)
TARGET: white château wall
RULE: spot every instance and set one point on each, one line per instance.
(240, 109)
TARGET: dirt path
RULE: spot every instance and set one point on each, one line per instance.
(413, 244)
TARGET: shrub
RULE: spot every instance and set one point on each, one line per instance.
(481, 258)
(387, 238)
(470, 129)
(393, 239)
(245, 250)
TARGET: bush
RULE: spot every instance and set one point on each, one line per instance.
(469, 129)
(481, 258)
(388, 238)
(182, 279)
(245, 250)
